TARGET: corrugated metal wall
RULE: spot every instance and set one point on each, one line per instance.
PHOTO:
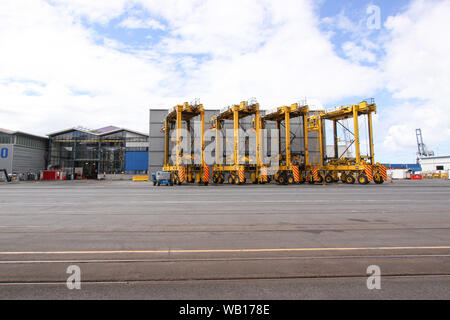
(28, 159)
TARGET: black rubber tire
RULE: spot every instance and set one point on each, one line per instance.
(290, 179)
(237, 180)
(378, 180)
(362, 179)
(329, 178)
(350, 179)
(230, 180)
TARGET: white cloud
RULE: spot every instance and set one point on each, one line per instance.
(57, 72)
(136, 23)
(417, 71)
(97, 11)
(358, 53)
(42, 44)
(347, 24)
(271, 50)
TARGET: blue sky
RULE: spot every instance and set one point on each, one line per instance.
(76, 62)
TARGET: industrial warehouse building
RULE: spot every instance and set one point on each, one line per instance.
(156, 136)
(22, 153)
(435, 164)
(89, 153)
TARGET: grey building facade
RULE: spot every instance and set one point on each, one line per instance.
(22, 153)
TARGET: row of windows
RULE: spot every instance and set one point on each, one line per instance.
(31, 142)
(5, 139)
(23, 141)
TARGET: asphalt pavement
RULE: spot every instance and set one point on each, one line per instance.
(136, 241)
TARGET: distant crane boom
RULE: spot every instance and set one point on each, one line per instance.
(421, 147)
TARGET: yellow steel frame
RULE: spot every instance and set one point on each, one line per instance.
(345, 166)
(235, 113)
(314, 123)
(286, 113)
(185, 112)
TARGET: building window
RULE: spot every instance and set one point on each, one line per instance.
(31, 142)
(6, 139)
(439, 168)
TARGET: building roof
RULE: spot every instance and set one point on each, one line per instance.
(69, 130)
(11, 132)
(106, 129)
(431, 158)
(7, 131)
(97, 132)
(412, 166)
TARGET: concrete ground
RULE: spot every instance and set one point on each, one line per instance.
(136, 241)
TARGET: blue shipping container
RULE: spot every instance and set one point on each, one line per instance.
(136, 161)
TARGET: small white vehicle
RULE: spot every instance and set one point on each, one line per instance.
(162, 178)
